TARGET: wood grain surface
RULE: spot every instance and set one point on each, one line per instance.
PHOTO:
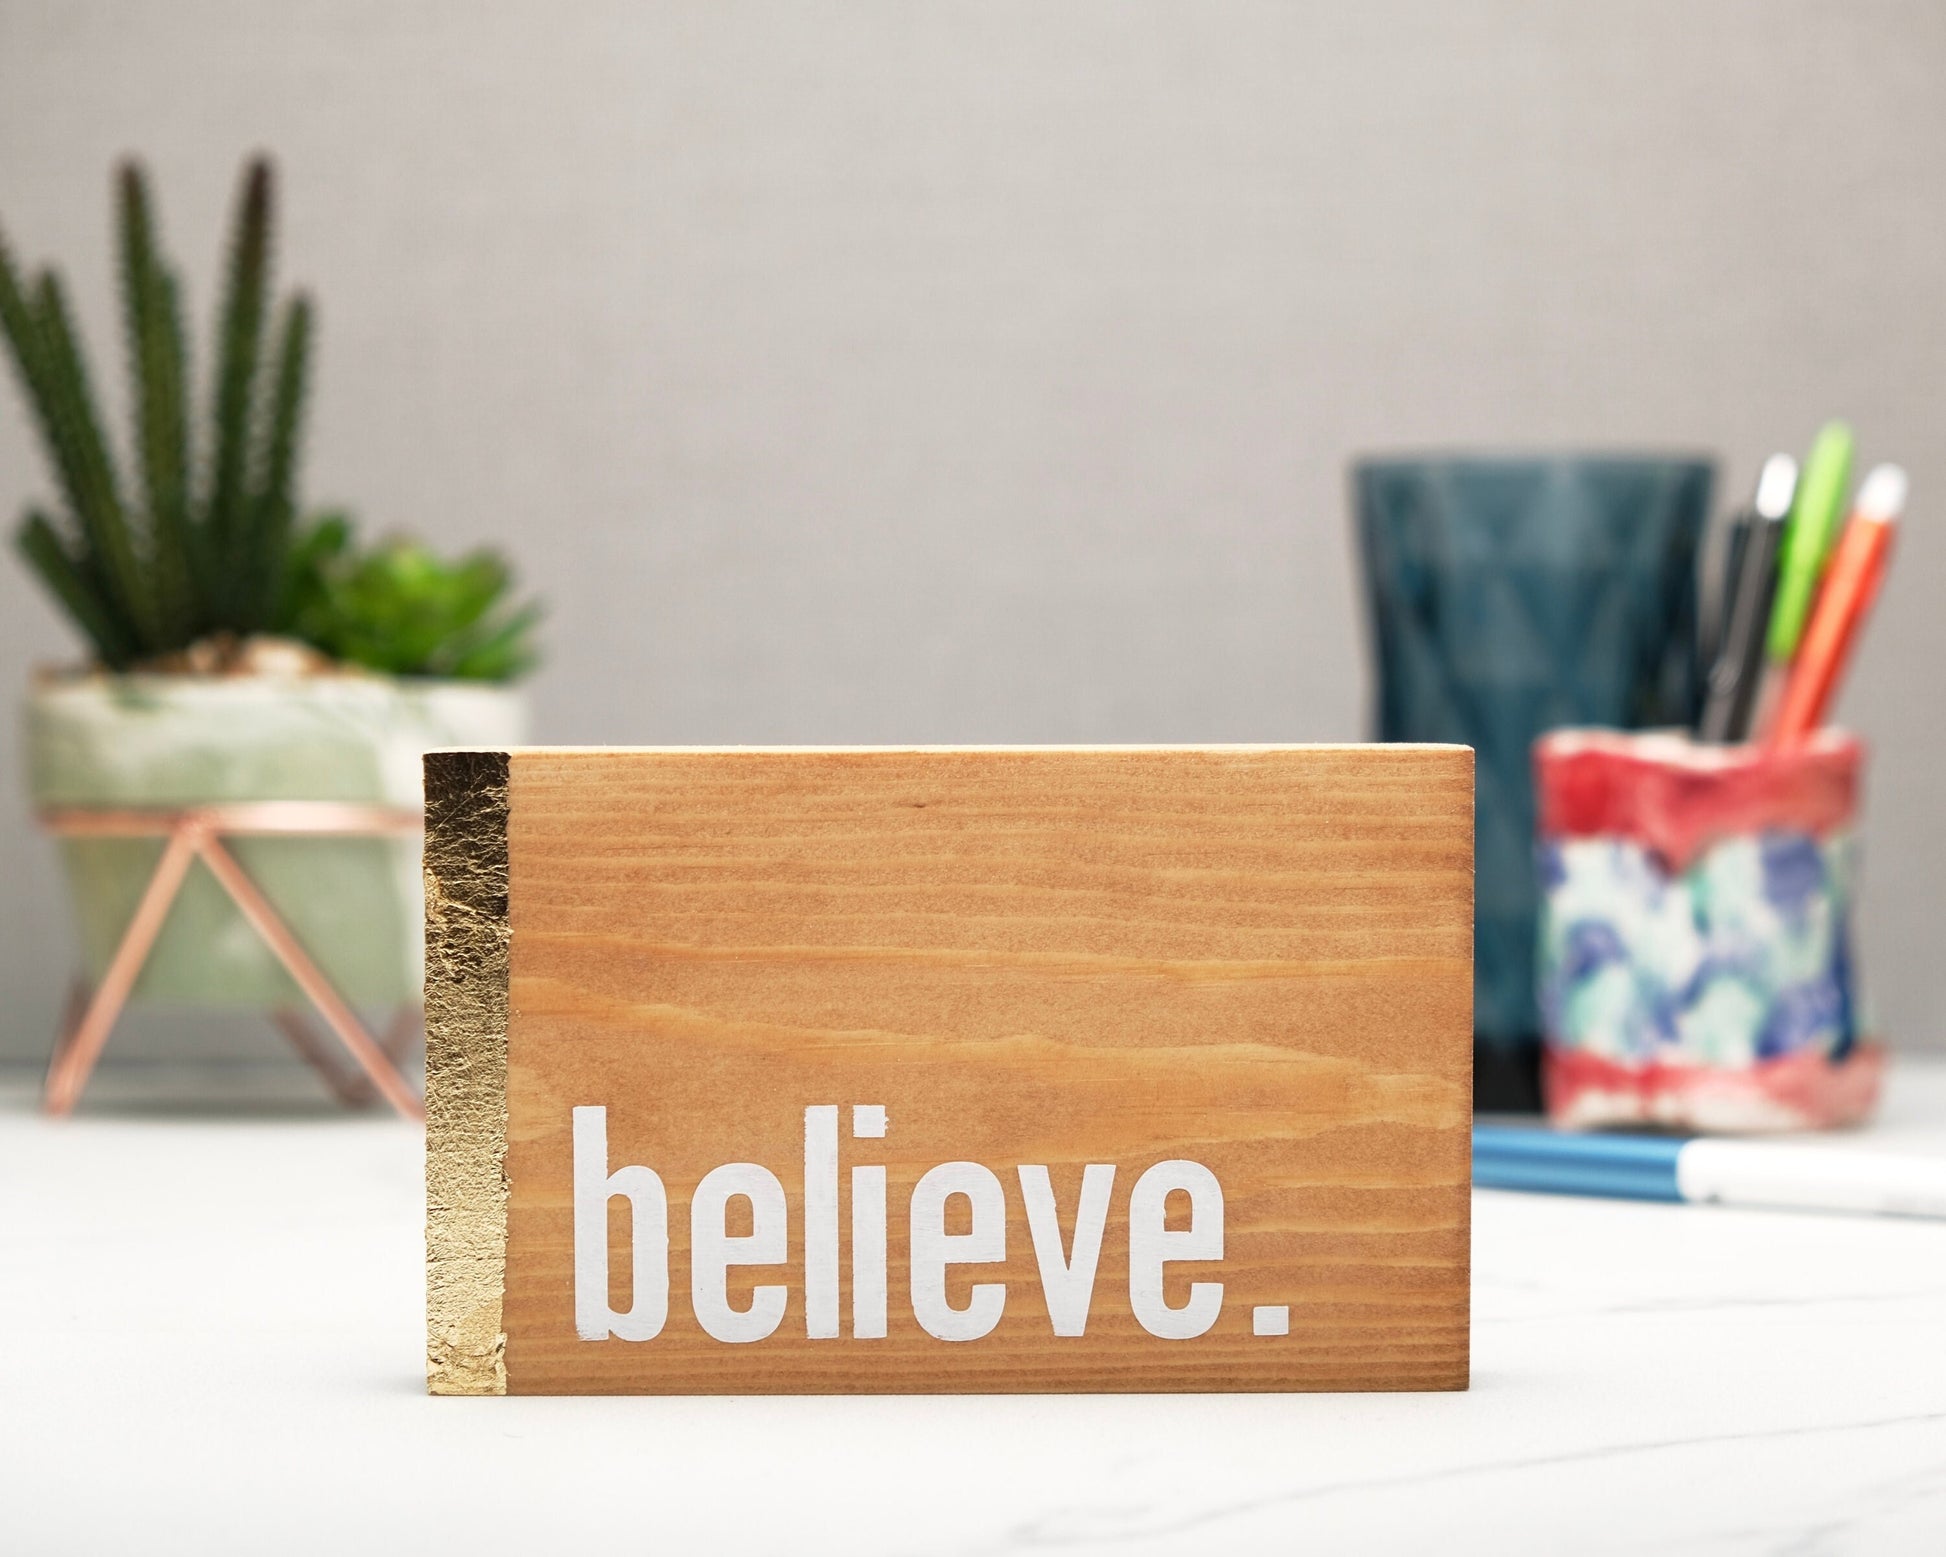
(1255, 958)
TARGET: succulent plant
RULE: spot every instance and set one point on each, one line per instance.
(398, 608)
(192, 540)
(199, 549)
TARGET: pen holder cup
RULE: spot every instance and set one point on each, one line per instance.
(1507, 596)
(1695, 965)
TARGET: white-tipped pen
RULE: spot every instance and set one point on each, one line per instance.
(1881, 496)
(1776, 487)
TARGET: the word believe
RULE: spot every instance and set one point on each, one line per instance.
(1067, 1275)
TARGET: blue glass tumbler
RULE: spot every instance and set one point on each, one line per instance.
(1509, 596)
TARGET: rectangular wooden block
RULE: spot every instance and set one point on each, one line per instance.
(1112, 1068)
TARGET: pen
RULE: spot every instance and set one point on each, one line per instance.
(1851, 584)
(1701, 1170)
(1808, 537)
(1732, 690)
(1807, 541)
(1710, 630)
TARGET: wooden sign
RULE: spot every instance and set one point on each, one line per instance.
(937, 1070)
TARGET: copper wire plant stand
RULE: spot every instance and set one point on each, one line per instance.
(198, 832)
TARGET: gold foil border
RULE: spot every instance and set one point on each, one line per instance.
(467, 939)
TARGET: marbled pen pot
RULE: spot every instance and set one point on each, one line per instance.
(1695, 951)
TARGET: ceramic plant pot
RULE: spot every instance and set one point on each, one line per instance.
(158, 740)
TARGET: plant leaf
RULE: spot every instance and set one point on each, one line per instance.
(273, 504)
(240, 341)
(45, 553)
(98, 505)
(21, 324)
(156, 354)
(503, 654)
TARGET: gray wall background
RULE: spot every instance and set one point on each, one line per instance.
(987, 372)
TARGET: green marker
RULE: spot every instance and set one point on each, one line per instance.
(1807, 541)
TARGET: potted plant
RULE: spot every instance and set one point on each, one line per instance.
(240, 651)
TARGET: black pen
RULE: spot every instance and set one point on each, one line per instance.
(1714, 623)
(1738, 670)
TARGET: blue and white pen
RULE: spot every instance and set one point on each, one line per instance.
(1724, 1172)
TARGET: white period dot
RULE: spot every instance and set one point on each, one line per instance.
(1270, 1319)
(868, 1120)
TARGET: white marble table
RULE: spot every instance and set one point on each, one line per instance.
(209, 1340)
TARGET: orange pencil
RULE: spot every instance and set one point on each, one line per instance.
(1851, 582)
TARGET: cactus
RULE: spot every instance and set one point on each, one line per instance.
(149, 567)
(157, 370)
(149, 570)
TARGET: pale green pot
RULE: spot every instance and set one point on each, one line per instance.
(354, 903)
